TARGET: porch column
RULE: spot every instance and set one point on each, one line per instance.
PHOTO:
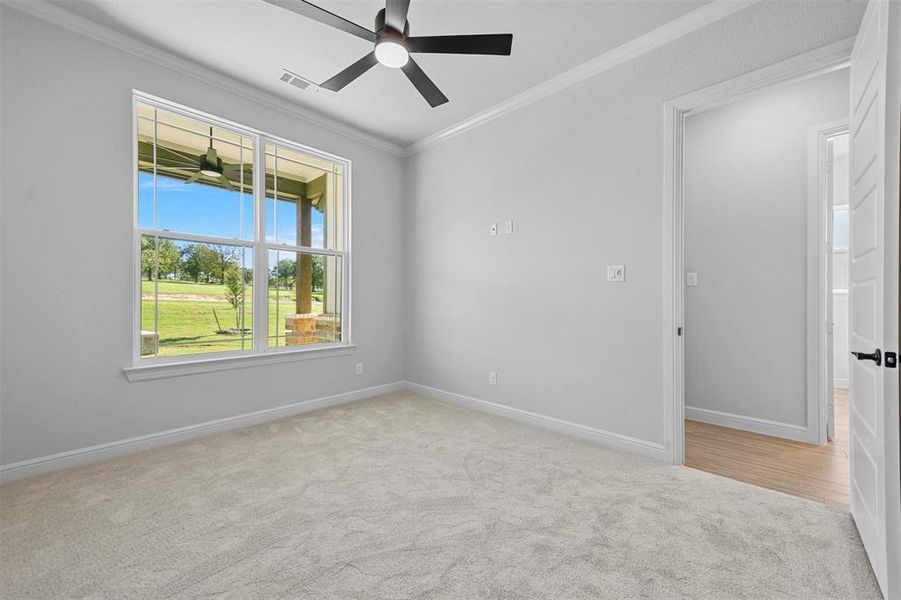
(303, 279)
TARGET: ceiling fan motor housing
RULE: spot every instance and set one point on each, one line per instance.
(210, 163)
(391, 47)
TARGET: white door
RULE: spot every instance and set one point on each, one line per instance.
(865, 294)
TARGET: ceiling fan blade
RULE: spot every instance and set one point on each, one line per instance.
(487, 43)
(311, 11)
(224, 181)
(396, 13)
(167, 163)
(233, 171)
(194, 177)
(164, 153)
(350, 73)
(421, 82)
(171, 165)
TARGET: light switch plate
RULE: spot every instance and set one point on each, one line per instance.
(691, 279)
(508, 226)
(492, 229)
(616, 273)
(492, 377)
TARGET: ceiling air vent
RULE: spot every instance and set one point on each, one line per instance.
(298, 81)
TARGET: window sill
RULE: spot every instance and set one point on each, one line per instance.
(225, 363)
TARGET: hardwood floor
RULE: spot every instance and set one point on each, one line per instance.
(810, 471)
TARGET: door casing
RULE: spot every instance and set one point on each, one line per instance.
(819, 274)
(818, 62)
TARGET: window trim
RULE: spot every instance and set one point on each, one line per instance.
(142, 368)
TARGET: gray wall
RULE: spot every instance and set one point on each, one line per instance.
(581, 174)
(66, 253)
(746, 173)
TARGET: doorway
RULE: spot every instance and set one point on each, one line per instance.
(756, 293)
(873, 272)
(834, 162)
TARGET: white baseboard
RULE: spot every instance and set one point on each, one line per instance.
(755, 425)
(841, 383)
(608, 438)
(90, 454)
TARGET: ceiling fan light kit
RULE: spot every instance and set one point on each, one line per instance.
(391, 48)
(393, 45)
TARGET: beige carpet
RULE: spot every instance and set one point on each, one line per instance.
(406, 497)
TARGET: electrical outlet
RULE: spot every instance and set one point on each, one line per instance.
(492, 229)
(691, 279)
(492, 377)
(616, 273)
(359, 369)
(508, 226)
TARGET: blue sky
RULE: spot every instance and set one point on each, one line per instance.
(209, 210)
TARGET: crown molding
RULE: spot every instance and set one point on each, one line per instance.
(44, 10)
(684, 25)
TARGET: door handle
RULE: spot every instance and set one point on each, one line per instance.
(875, 356)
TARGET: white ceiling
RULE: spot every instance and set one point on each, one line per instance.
(252, 41)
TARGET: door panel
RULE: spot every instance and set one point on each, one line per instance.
(862, 305)
(865, 138)
(867, 465)
(865, 225)
(866, 392)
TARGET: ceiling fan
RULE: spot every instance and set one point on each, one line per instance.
(210, 165)
(393, 44)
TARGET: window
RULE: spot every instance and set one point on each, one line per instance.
(841, 229)
(840, 240)
(227, 217)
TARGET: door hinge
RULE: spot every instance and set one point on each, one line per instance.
(679, 330)
(891, 360)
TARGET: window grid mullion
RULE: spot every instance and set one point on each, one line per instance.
(306, 250)
(194, 237)
(260, 252)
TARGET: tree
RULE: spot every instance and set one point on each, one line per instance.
(148, 257)
(233, 278)
(207, 262)
(318, 272)
(219, 259)
(284, 272)
(169, 258)
(190, 262)
(159, 255)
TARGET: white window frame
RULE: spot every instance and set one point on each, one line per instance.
(261, 351)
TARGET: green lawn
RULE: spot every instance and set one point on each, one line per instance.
(187, 321)
(214, 290)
